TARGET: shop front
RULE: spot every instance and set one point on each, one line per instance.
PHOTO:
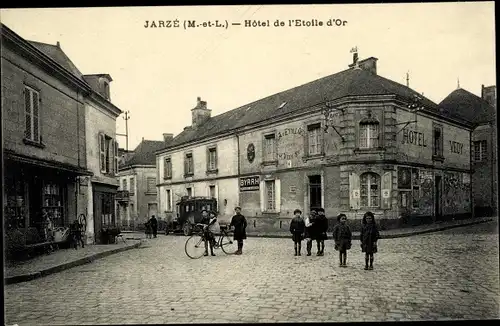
(36, 191)
(105, 224)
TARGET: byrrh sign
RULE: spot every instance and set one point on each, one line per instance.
(250, 183)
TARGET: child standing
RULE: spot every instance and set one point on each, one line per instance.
(369, 237)
(322, 228)
(342, 236)
(297, 228)
(310, 233)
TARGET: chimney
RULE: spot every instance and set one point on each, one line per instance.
(200, 113)
(489, 94)
(167, 138)
(369, 64)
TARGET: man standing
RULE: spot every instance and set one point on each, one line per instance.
(154, 225)
(239, 223)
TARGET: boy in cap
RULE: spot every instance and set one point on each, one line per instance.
(297, 228)
(322, 228)
(239, 223)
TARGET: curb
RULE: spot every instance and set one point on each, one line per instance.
(384, 236)
(60, 268)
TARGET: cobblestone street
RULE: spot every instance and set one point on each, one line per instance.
(445, 275)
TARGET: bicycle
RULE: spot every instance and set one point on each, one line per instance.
(196, 242)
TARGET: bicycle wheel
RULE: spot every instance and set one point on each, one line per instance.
(195, 246)
(228, 245)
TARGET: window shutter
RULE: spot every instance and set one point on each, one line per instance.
(208, 159)
(277, 190)
(116, 157)
(36, 129)
(386, 195)
(262, 196)
(216, 154)
(27, 105)
(185, 164)
(264, 150)
(354, 191)
(217, 196)
(102, 153)
(111, 156)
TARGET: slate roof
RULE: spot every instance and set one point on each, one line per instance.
(144, 153)
(57, 54)
(464, 104)
(350, 82)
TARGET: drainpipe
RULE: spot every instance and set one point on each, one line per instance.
(471, 175)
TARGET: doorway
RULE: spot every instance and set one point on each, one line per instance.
(314, 191)
(437, 198)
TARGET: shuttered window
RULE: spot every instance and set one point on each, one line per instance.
(32, 116)
(151, 185)
(167, 168)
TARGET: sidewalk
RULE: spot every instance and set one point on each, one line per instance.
(62, 259)
(394, 233)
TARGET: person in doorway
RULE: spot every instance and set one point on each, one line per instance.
(208, 218)
(369, 236)
(297, 228)
(342, 236)
(310, 233)
(154, 225)
(322, 228)
(239, 223)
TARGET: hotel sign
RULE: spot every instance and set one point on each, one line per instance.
(250, 183)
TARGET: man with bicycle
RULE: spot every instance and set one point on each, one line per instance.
(211, 227)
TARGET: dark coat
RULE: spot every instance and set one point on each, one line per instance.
(312, 231)
(369, 236)
(342, 236)
(321, 227)
(154, 223)
(297, 228)
(239, 222)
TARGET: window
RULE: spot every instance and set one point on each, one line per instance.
(270, 196)
(437, 138)
(169, 201)
(315, 139)
(107, 151)
(368, 135)
(31, 104)
(270, 148)
(151, 185)
(132, 185)
(479, 150)
(167, 168)
(189, 192)
(125, 186)
(188, 164)
(370, 190)
(212, 159)
(212, 191)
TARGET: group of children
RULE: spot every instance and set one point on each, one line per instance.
(315, 227)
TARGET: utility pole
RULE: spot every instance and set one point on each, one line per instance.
(126, 118)
(408, 79)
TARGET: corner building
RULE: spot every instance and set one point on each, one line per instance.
(350, 142)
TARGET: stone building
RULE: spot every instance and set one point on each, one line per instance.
(349, 142)
(43, 118)
(200, 162)
(59, 137)
(481, 111)
(137, 196)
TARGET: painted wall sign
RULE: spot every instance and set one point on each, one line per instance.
(250, 183)
(290, 131)
(386, 193)
(288, 156)
(250, 152)
(355, 194)
(456, 147)
(414, 138)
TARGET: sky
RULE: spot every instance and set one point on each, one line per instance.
(158, 73)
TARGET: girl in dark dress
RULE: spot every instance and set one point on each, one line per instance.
(369, 236)
(239, 223)
(297, 228)
(321, 229)
(342, 236)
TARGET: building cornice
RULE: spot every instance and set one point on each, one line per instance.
(134, 166)
(103, 103)
(9, 36)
